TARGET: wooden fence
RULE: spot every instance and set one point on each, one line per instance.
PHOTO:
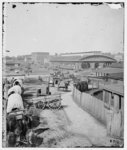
(91, 104)
(97, 108)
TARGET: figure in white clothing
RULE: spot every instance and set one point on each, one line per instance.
(16, 89)
(18, 82)
(14, 101)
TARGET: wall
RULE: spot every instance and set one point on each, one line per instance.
(40, 57)
(111, 117)
(91, 104)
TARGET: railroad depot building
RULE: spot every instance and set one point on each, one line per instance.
(65, 62)
(92, 61)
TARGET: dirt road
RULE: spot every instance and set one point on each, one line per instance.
(69, 126)
(83, 123)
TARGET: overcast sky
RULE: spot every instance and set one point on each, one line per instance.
(58, 28)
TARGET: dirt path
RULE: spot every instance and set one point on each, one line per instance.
(58, 134)
(69, 126)
(83, 123)
(57, 124)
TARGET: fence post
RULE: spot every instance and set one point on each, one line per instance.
(4, 124)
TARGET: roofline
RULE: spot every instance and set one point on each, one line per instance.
(106, 70)
(40, 53)
(99, 55)
(114, 91)
(12, 63)
(80, 52)
(103, 77)
(78, 61)
(64, 61)
(97, 61)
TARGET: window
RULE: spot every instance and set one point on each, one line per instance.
(112, 100)
(119, 102)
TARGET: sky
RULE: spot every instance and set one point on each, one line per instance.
(58, 28)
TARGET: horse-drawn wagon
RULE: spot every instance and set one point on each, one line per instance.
(63, 84)
(44, 89)
(51, 81)
(51, 101)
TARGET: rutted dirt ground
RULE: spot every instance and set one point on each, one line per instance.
(56, 123)
(58, 135)
(58, 128)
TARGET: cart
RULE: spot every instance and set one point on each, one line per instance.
(51, 101)
(51, 82)
(56, 80)
(44, 89)
(63, 84)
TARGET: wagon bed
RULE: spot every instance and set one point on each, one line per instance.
(52, 101)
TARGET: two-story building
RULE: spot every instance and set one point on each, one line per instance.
(40, 57)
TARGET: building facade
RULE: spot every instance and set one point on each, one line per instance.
(40, 57)
(92, 61)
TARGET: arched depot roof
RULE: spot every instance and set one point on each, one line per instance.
(97, 58)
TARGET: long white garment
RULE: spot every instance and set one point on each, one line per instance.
(14, 101)
(16, 89)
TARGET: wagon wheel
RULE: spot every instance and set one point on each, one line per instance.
(40, 105)
(54, 104)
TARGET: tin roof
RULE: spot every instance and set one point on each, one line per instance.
(10, 62)
(115, 88)
(109, 70)
(98, 58)
(40, 53)
(117, 65)
(117, 76)
(88, 58)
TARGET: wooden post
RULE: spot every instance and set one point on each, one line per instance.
(103, 96)
(4, 117)
(4, 124)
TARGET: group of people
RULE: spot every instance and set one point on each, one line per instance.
(16, 127)
(12, 94)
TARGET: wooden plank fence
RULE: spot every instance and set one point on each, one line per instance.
(97, 108)
(93, 105)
